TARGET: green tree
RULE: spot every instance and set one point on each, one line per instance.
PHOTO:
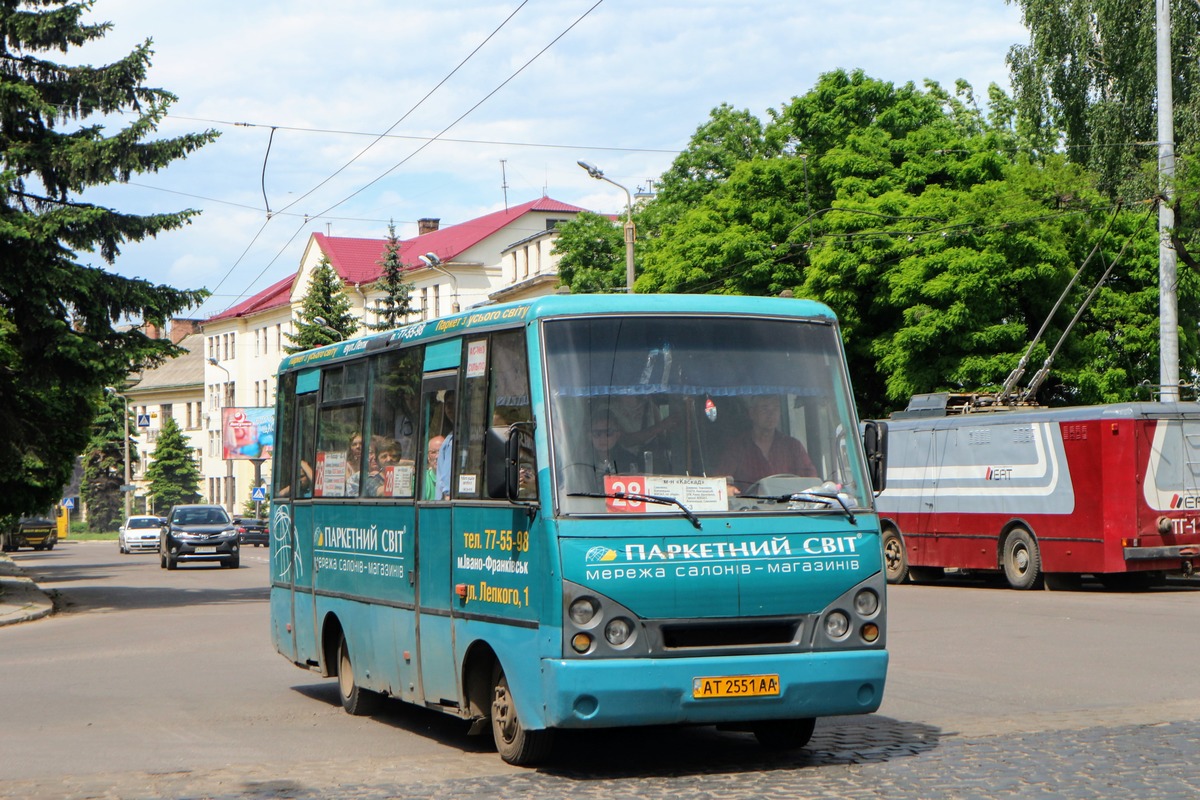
(939, 243)
(396, 304)
(326, 299)
(1088, 77)
(58, 346)
(592, 250)
(174, 476)
(104, 465)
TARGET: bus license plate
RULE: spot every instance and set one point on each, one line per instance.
(736, 686)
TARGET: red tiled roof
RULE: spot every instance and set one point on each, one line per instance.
(274, 296)
(357, 260)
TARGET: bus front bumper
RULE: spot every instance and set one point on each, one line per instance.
(641, 691)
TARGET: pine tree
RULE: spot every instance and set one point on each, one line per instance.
(104, 466)
(174, 476)
(58, 346)
(396, 304)
(326, 299)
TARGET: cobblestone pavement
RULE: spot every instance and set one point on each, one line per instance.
(873, 757)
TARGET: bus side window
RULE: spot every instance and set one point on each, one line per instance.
(285, 452)
(472, 423)
(341, 447)
(395, 388)
(306, 413)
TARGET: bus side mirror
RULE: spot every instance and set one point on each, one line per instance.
(874, 435)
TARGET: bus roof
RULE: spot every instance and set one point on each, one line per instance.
(508, 314)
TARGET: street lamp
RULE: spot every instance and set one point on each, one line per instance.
(432, 261)
(127, 489)
(596, 173)
(325, 326)
(228, 461)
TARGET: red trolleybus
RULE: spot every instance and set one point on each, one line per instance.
(1043, 495)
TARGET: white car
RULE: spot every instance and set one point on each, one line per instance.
(140, 534)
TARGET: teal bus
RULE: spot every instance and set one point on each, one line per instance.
(583, 512)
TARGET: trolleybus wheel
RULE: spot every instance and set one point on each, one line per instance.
(1022, 561)
(784, 734)
(895, 560)
(356, 700)
(515, 744)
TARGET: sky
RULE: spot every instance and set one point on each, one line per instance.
(340, 117)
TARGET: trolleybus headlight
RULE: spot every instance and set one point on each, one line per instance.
(617, 631)
(837, 624)
(581, 642)
(582, 610)
(866, 602)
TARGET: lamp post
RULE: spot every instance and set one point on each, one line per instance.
(432, 261)
(325, 326)
(127, 489)
(228, 400)
(630, 235)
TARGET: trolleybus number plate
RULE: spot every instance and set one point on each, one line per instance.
(736, 686)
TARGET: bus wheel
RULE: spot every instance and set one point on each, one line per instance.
(784, 734)
(356, 700)
(895, 560)
(1022, 561)
(515, 744)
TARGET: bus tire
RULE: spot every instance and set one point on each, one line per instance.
(1022, 561)
(514, 742)
(357, 701)
(784, 734)
(895, 559)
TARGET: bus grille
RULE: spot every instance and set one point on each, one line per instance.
(729, 634)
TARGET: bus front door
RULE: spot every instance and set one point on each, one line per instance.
(434, 632)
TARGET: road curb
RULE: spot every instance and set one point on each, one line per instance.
(21, 599)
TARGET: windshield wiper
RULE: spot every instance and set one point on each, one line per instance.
(826, 498)
(657, 499)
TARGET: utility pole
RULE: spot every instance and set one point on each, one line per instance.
(1168, 300)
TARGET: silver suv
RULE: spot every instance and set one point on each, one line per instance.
(199, 533)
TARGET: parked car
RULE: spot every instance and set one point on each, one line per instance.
(252, 530)
(199, 533)
(139, 533)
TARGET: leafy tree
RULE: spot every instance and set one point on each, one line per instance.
(174, 476)
(1088, 76)
(326, 298)
(939, 244)
(592, 250)
(396, 304)
(104, 466)
(58, 347)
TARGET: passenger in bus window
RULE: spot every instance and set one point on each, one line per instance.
(764, 449)
(353, 464)
(429, 483)
(446, 451)
(610, 455)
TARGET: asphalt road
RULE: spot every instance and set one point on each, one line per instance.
(150, 683)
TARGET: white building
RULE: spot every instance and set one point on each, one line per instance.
(498, 257)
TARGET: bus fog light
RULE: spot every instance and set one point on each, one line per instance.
(837, 624)
(869, 632)
(617, 632)
(583, 610)
(866, 602)
(581, 642)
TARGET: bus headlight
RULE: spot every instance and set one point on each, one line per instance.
(837, 624)
(866, 603)
(617, 631)
(583, 610)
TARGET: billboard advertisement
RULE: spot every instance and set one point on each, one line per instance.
(247, 433)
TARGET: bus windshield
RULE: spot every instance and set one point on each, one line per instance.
(716, 414)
